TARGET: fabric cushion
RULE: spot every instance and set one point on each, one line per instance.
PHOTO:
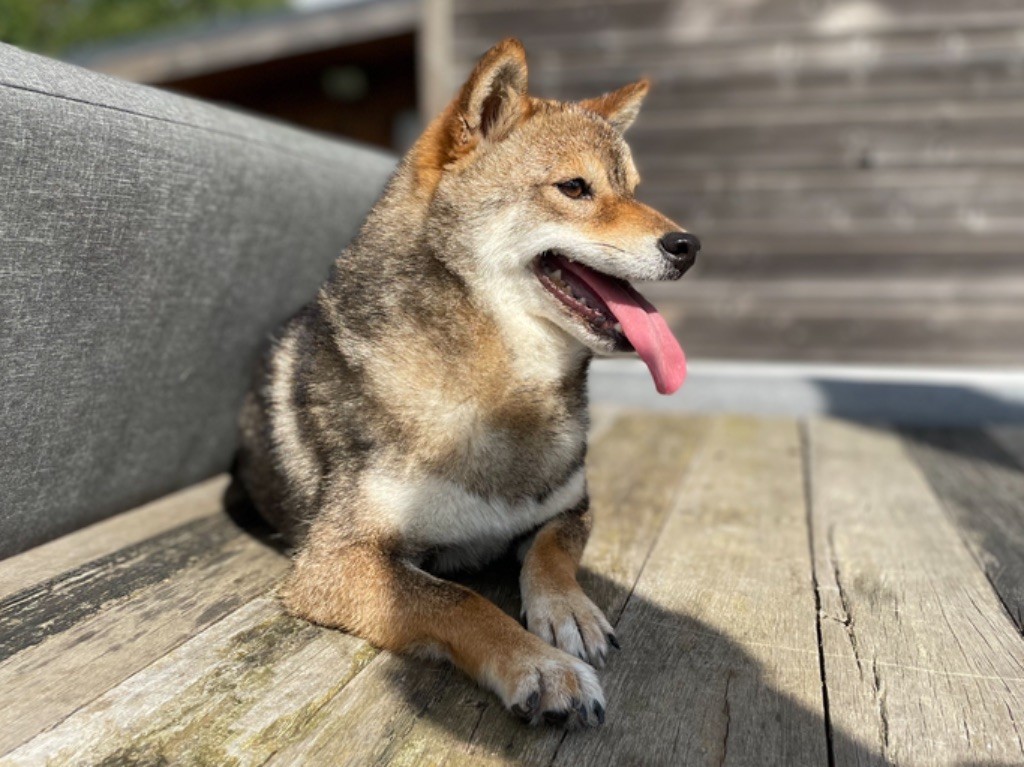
(150, 243)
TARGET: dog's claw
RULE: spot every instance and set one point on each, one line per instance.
(599, 713)
(613, 641)
(580, 709)
(526, 710)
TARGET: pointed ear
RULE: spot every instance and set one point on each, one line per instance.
(620, 107)
(493, 100)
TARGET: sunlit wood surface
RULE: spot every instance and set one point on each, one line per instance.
(786, 593)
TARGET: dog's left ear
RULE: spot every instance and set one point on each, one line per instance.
(620, 107)
(493, 100)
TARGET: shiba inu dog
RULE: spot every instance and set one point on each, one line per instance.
(427, 410)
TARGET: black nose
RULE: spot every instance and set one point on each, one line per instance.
(680, 248)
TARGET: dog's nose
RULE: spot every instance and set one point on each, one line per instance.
(680, 248)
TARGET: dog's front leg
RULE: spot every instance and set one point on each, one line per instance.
(554, 605)
(377, 595)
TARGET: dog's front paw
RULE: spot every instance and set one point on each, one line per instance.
(555, 688)
(571, 622)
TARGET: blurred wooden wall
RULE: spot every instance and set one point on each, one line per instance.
(855, 169)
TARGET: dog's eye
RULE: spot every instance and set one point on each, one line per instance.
(574, 188)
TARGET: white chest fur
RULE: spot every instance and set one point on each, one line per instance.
(435, 513)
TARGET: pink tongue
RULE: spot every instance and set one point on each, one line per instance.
(643, 326)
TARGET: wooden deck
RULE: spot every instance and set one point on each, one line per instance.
(786, 593)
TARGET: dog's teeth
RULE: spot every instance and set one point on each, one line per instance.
(618, 327)
(557, 274)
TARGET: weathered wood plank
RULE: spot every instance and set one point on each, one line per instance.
(1011, 439)
(232, 694)
(408, 712)
(981, 486)
(848, 212)
(851, 182)
(746, 261)
(744, 326)
(731, 21)
(42, 684)
(981, 292)
(797, 241)
(721, 665)
(982, 81)
(680, 58)
(894, 13)
(845, 139)
(856, 155)
(30, 616)
(602, 417)
(104, 538)
(922, 664)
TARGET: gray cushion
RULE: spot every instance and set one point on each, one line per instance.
(148, 244)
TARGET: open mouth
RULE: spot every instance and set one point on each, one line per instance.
(610, 308)
(555, 273)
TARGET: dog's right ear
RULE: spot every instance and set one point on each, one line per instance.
(488, 106)
(493, 100)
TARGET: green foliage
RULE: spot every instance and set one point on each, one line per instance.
(54, 26)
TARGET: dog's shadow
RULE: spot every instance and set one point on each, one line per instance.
(679, 693)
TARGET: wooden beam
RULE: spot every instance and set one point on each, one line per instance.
(435, 58)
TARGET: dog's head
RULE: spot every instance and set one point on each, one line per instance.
(532, 202)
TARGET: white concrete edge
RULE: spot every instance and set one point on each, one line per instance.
(900, 394)
(848, 372)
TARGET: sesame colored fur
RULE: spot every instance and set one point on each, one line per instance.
(427, 410)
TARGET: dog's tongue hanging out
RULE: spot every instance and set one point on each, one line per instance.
(641, 323)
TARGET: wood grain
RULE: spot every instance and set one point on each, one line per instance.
(1010, 438)
(771, 14)
(746, 326)
(921, 662)
(42, 684)
(845, 598)
(230, 695)
(31, 615)
(103, 538)
(981, 487)
(721, 665)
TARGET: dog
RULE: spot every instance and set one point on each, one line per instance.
(427, 411)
